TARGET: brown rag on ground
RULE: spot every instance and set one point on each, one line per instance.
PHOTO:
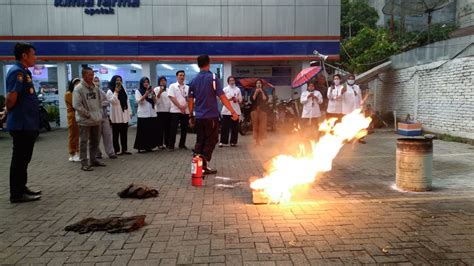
(138, 191)
(111, 225)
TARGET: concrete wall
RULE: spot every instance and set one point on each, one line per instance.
(465, 13)
(442, 99)
(176, 18)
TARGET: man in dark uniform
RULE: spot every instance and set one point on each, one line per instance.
(22, 121)
(203, 90)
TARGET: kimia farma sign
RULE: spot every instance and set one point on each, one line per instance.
(106, 7)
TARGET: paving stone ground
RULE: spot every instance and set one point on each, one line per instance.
(351, 215)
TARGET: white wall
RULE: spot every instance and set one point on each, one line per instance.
(441, 99)
(176, 18)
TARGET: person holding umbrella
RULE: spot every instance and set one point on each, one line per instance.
(258, 114)
(311, 99)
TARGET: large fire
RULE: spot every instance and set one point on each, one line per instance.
(288, 172)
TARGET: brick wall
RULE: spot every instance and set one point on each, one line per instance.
(441, 99)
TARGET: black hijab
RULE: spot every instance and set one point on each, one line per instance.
(122, 96)
(142, 90)
(73, 84)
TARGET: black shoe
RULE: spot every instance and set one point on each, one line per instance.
(98, 164)
(183, 147)
(86, 168)
(25, 198)
(209, 171)
(362, 141)
(113, 156)
(126, 153)
(233, 144)
(170, 149)
(32, 192)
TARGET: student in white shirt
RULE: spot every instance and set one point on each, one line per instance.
(351, 97)
(335, 99)
(162, 107)
(311, 99)
(145, 139)
(119, 114)
(234, 96)
(178, 94)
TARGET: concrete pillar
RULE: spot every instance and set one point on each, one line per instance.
(226, 71)
(153, 76)
(62, 87)
(75, 73)
(146, 71)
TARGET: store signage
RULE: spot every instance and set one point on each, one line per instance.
(253, 71)
(99, 7)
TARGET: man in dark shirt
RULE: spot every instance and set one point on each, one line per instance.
(22, 121)
(203, 90)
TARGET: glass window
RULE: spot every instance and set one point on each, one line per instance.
(191, 70)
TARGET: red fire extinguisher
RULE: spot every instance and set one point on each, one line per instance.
(196, 171)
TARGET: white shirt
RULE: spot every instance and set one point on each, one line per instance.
(163, 104)
(117, 115)
(229, 93)
(335, 100)
(145, 109)
(180, 93)
(351, 99)
(311, 105)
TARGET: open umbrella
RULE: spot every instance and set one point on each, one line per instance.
(305, 75)
(249, 83)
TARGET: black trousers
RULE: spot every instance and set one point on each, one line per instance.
(119, 130)
(183, 121)
(229, 125)
(23, 144)
(163, 128)
(207, 135)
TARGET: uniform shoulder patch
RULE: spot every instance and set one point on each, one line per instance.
(19, 76)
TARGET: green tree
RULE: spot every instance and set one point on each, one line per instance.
(370, 47)
(355, 15)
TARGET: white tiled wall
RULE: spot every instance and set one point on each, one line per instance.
(176, 18)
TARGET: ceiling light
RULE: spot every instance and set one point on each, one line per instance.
(167, 66)
(137, 66)
(109, 66)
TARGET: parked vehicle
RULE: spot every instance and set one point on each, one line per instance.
(245, 125)
(288, 116)
(43, 113)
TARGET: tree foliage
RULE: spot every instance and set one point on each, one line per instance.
(355, 15)
(367, 49)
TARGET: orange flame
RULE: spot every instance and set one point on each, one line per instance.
(287, 171)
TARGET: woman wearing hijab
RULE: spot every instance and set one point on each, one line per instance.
(145, 139)
(119, 114)
(73, 129)
(162, 107)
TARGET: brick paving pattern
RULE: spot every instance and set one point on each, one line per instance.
(351, 215)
